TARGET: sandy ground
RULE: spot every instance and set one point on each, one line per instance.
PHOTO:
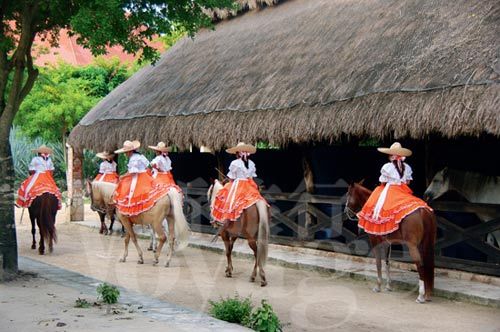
(304, 300)
(35, 304)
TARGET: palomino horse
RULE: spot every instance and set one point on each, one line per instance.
(101, 201)
(43, 211)
(253, 226)
(168, 207)
(474, 187)
(417, 230)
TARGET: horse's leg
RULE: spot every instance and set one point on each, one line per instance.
(171, 238)
(41, 244)
(415, 255)
(103, 229)
(229, 248)
(111, 217)
(376, 245)
(251, 238)
(126, 223)
(152, 242)
(33, 231)
(387, 250)
(133, 236)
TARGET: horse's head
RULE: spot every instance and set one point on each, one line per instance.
(87, 188)
(213, 190)
(438, 186)
(355, 199)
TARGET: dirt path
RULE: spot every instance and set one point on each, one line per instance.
(304, 300)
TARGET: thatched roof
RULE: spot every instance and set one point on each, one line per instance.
(315, 70)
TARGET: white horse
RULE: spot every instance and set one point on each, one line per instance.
(474, 187)
(168, 207)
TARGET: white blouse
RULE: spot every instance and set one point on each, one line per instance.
(237, 170)
(39, 164)
(137, 163)
(107, 167)
(162, 163)
(389, 174)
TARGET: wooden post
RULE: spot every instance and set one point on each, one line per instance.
(75, 182)
(306, 220)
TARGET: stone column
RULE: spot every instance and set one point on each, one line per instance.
(75, 183)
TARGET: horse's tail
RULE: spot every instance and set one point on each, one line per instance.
(263, 236)
(47, 216)
(181, 227)
(428, 243)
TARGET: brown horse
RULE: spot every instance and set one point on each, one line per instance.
(253, 225)
(417, 231)
(43, 211)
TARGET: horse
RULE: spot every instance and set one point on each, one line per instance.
(417, 230)
(473, 187)
(43, 211)
(101, 201)
(253, 225)
(168, 207)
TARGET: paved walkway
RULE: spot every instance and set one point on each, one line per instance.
(454, 285)
(176, 318)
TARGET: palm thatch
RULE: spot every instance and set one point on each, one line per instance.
(315, 70)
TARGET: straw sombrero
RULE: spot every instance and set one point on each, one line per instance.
(161, 147)
(105, 155)
(396, 149)
(43, 149)
(129, 146)
(242, 147)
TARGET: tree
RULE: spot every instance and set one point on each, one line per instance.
(97, 24)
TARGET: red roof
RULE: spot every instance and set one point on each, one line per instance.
(70, 52)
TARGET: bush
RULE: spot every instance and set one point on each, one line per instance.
(264, 319)
(108, 293)
(233, 310)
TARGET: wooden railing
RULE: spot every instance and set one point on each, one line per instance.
(302, 216)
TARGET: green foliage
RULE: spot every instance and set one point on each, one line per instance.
(108, 293)
(21, 147)
(264, 319)
(82, 303)
(64, 94)
(233, 310)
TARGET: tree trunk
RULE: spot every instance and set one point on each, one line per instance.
(8, 240)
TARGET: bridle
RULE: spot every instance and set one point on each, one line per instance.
(351, 215)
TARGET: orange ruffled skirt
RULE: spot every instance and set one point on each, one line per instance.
(36, 185)
(399, 203)
(167, 179)
(107, 177)
(145, 194)
(233, 198)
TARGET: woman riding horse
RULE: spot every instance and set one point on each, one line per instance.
(240, 200)
(161, 166)
(40, 194)
(387, 206)
(107, 168)
(40, 180)
(241, 191)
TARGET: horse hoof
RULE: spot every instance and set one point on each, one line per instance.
(41, 252)
(376, 290)
(110, 232)
(167, 264)
(150, 249)
(229, 275)
(420, 300)
(388, 289)
(263, 283)
(252, 279)
(122, 260)
(33, 246)
(101, 231)
(140, 261)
